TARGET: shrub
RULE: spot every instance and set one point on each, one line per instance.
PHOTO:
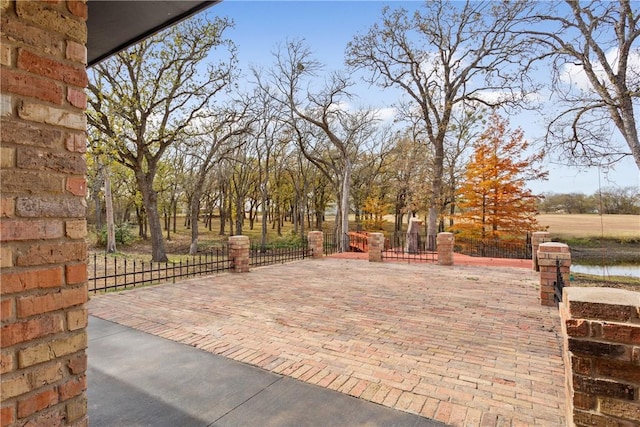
(122, 232)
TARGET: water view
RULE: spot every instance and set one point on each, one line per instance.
(613, 270)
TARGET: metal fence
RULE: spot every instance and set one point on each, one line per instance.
(108, 273)
(558, 285)
(416, 248)
(273, 255)
(113, 273)
(493, 248)
(329, 244)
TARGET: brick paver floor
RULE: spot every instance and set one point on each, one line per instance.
(466, 345)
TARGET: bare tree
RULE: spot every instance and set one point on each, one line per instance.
(268, 144)
(144, 99)
(331, 123)
(595, 62)
(441, 57)
(111, 232)
(217, 137)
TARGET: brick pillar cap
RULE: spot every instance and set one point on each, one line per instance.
(609, 296)
(444, 233)
(540, 233)
(553, 245)
(240, 237)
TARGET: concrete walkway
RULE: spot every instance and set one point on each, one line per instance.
(137, 379)
(465, 345)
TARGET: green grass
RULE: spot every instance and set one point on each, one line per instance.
(620, 282)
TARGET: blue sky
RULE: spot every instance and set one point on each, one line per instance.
(327, 27)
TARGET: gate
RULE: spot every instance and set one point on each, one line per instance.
(416, 248)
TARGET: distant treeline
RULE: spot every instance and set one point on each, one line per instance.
(611, 200)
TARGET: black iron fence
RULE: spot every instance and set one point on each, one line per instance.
(558, 285)
(259, 256)
(108, 272)
(329, 244)
(520, 249)
(410, 248)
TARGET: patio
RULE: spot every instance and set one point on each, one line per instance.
(465, 345)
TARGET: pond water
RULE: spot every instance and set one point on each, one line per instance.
(613, 270)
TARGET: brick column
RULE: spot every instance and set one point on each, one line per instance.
(444, 245)
(536, 238)
(375, 241)
(239, 253)
(316, 244)
(601, 336)
(548, 253)
(43, 253)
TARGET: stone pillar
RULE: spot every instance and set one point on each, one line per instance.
(239, 253)
(444, 244)
(316, 244)
(536, 238)
(548, 253)
(376, 246)
(43, 252)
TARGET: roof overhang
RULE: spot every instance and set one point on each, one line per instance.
(115, 25)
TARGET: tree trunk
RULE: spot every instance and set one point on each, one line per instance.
(150, 200)
(111, 232)
(263, 231)
(223, 210)
(194, 208)
(230, 212)
(98, 205)
(346, 185)
(278, 218)
(239, 215)
(175, 215)
(436, 195)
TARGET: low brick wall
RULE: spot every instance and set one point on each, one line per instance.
(239, 253)
(375, 241)
(548, 254)
(444, 244)
(601, 331)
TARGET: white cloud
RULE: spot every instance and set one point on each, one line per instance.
(574, 74)
(386, 114)
(496, 96)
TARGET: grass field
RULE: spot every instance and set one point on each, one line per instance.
(616, 226)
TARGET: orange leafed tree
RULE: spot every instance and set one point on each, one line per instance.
(494, 199)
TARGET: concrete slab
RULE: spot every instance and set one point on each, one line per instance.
(137, 379)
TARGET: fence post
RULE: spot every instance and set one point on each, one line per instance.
(444, 245)
(548, 253)
(537, 238)
(376, 246)
(239, 253)
(316, 244)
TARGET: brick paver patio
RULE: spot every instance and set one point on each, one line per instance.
(466, 345)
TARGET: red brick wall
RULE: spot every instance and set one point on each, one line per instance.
(375, 241)
(601, 329)
(444, 244)
(239, 247)
(315, 241)
(42, 207)
(548, 254)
